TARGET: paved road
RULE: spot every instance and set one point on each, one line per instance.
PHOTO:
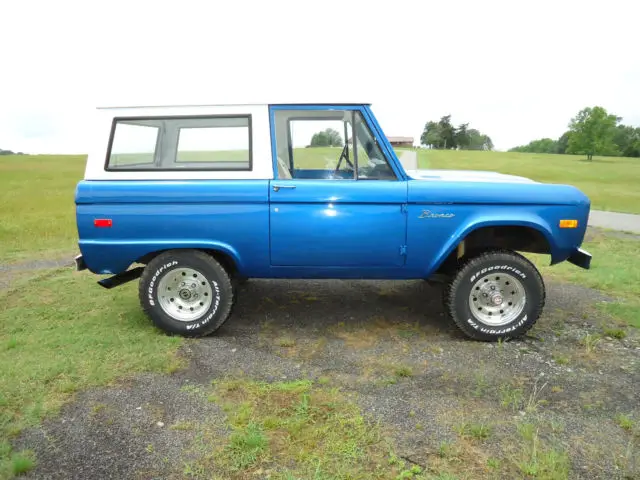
(624, 222)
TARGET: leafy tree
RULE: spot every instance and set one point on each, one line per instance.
(543, 145)
(627, 140)
(443, 134)
(431, 135)
(327, 138)
(461, 136)
(447, 132)
(592, 133)
(562, 143)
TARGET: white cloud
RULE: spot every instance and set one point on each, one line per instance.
(515, 70)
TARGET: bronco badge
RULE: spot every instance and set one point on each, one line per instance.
(430, 214)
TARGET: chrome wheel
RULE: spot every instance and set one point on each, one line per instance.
(184, 294)
(497, 299)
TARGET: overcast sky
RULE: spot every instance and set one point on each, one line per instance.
(517, 70)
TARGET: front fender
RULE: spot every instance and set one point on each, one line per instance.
(465, 230)
(431, 238)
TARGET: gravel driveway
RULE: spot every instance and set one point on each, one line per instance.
(358, 335)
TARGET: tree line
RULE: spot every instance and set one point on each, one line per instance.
(444, 135)
(593, 131)
(9, 152)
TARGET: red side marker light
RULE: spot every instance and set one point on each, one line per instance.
(102, 222)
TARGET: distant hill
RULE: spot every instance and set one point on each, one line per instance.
(9, 152)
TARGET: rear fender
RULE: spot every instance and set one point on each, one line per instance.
(114, 257)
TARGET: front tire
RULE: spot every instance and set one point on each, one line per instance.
(496, 295)
(186, 292)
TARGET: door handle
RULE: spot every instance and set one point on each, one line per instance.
(278, 187)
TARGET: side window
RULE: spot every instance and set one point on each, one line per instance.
(181, 143)
(327, 144)
(133, 145)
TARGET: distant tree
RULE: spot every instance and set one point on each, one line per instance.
(431, 135)
(461, 136)
(447, 133)
(327, 138)
(627, 139)
(543, 145)
(592, 133)
(563, 142)
(444, 135)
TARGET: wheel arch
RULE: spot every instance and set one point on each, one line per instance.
(225, 255)
(521, 235)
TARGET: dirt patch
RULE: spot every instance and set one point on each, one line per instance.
(553, 402)
(13, 271)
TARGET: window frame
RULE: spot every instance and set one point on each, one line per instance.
(160, 143)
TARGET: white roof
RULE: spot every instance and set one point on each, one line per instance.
(220, 104)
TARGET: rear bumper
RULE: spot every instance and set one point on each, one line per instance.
(581, 258)
(80, 265)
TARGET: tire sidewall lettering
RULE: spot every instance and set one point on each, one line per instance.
(503, 268)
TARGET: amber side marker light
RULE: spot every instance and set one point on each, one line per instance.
(568, 223)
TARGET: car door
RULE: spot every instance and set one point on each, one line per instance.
(335, 201)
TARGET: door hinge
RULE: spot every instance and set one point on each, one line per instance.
(403, 208)
(403, 249)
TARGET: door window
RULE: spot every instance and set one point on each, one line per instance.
(321, 144)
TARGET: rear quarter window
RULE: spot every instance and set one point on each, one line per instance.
(180, 143)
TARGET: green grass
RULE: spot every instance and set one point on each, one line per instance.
(294, 429)
(62, 333)
(37, 211)
(610, 182)
(615, 270)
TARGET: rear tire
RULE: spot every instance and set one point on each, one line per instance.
(186, 292)
(498, 294)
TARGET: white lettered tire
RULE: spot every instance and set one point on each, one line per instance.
(186, 292)
(497, 295)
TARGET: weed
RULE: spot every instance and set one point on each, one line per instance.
(481, 384)
(493, 463)
(324, 380)
(22, 462)
(286, 342)
(533, 402)
(625, 421)
(510, 397)
(403, 371)
(478, 431)
(245, 445)
(536, 460)
(444, 450)
(557, 389)
(560, 359)
(590, 341)
(182, 426)
(615, 333)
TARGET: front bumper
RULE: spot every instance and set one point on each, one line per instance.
(581, 258)
(80, 265)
